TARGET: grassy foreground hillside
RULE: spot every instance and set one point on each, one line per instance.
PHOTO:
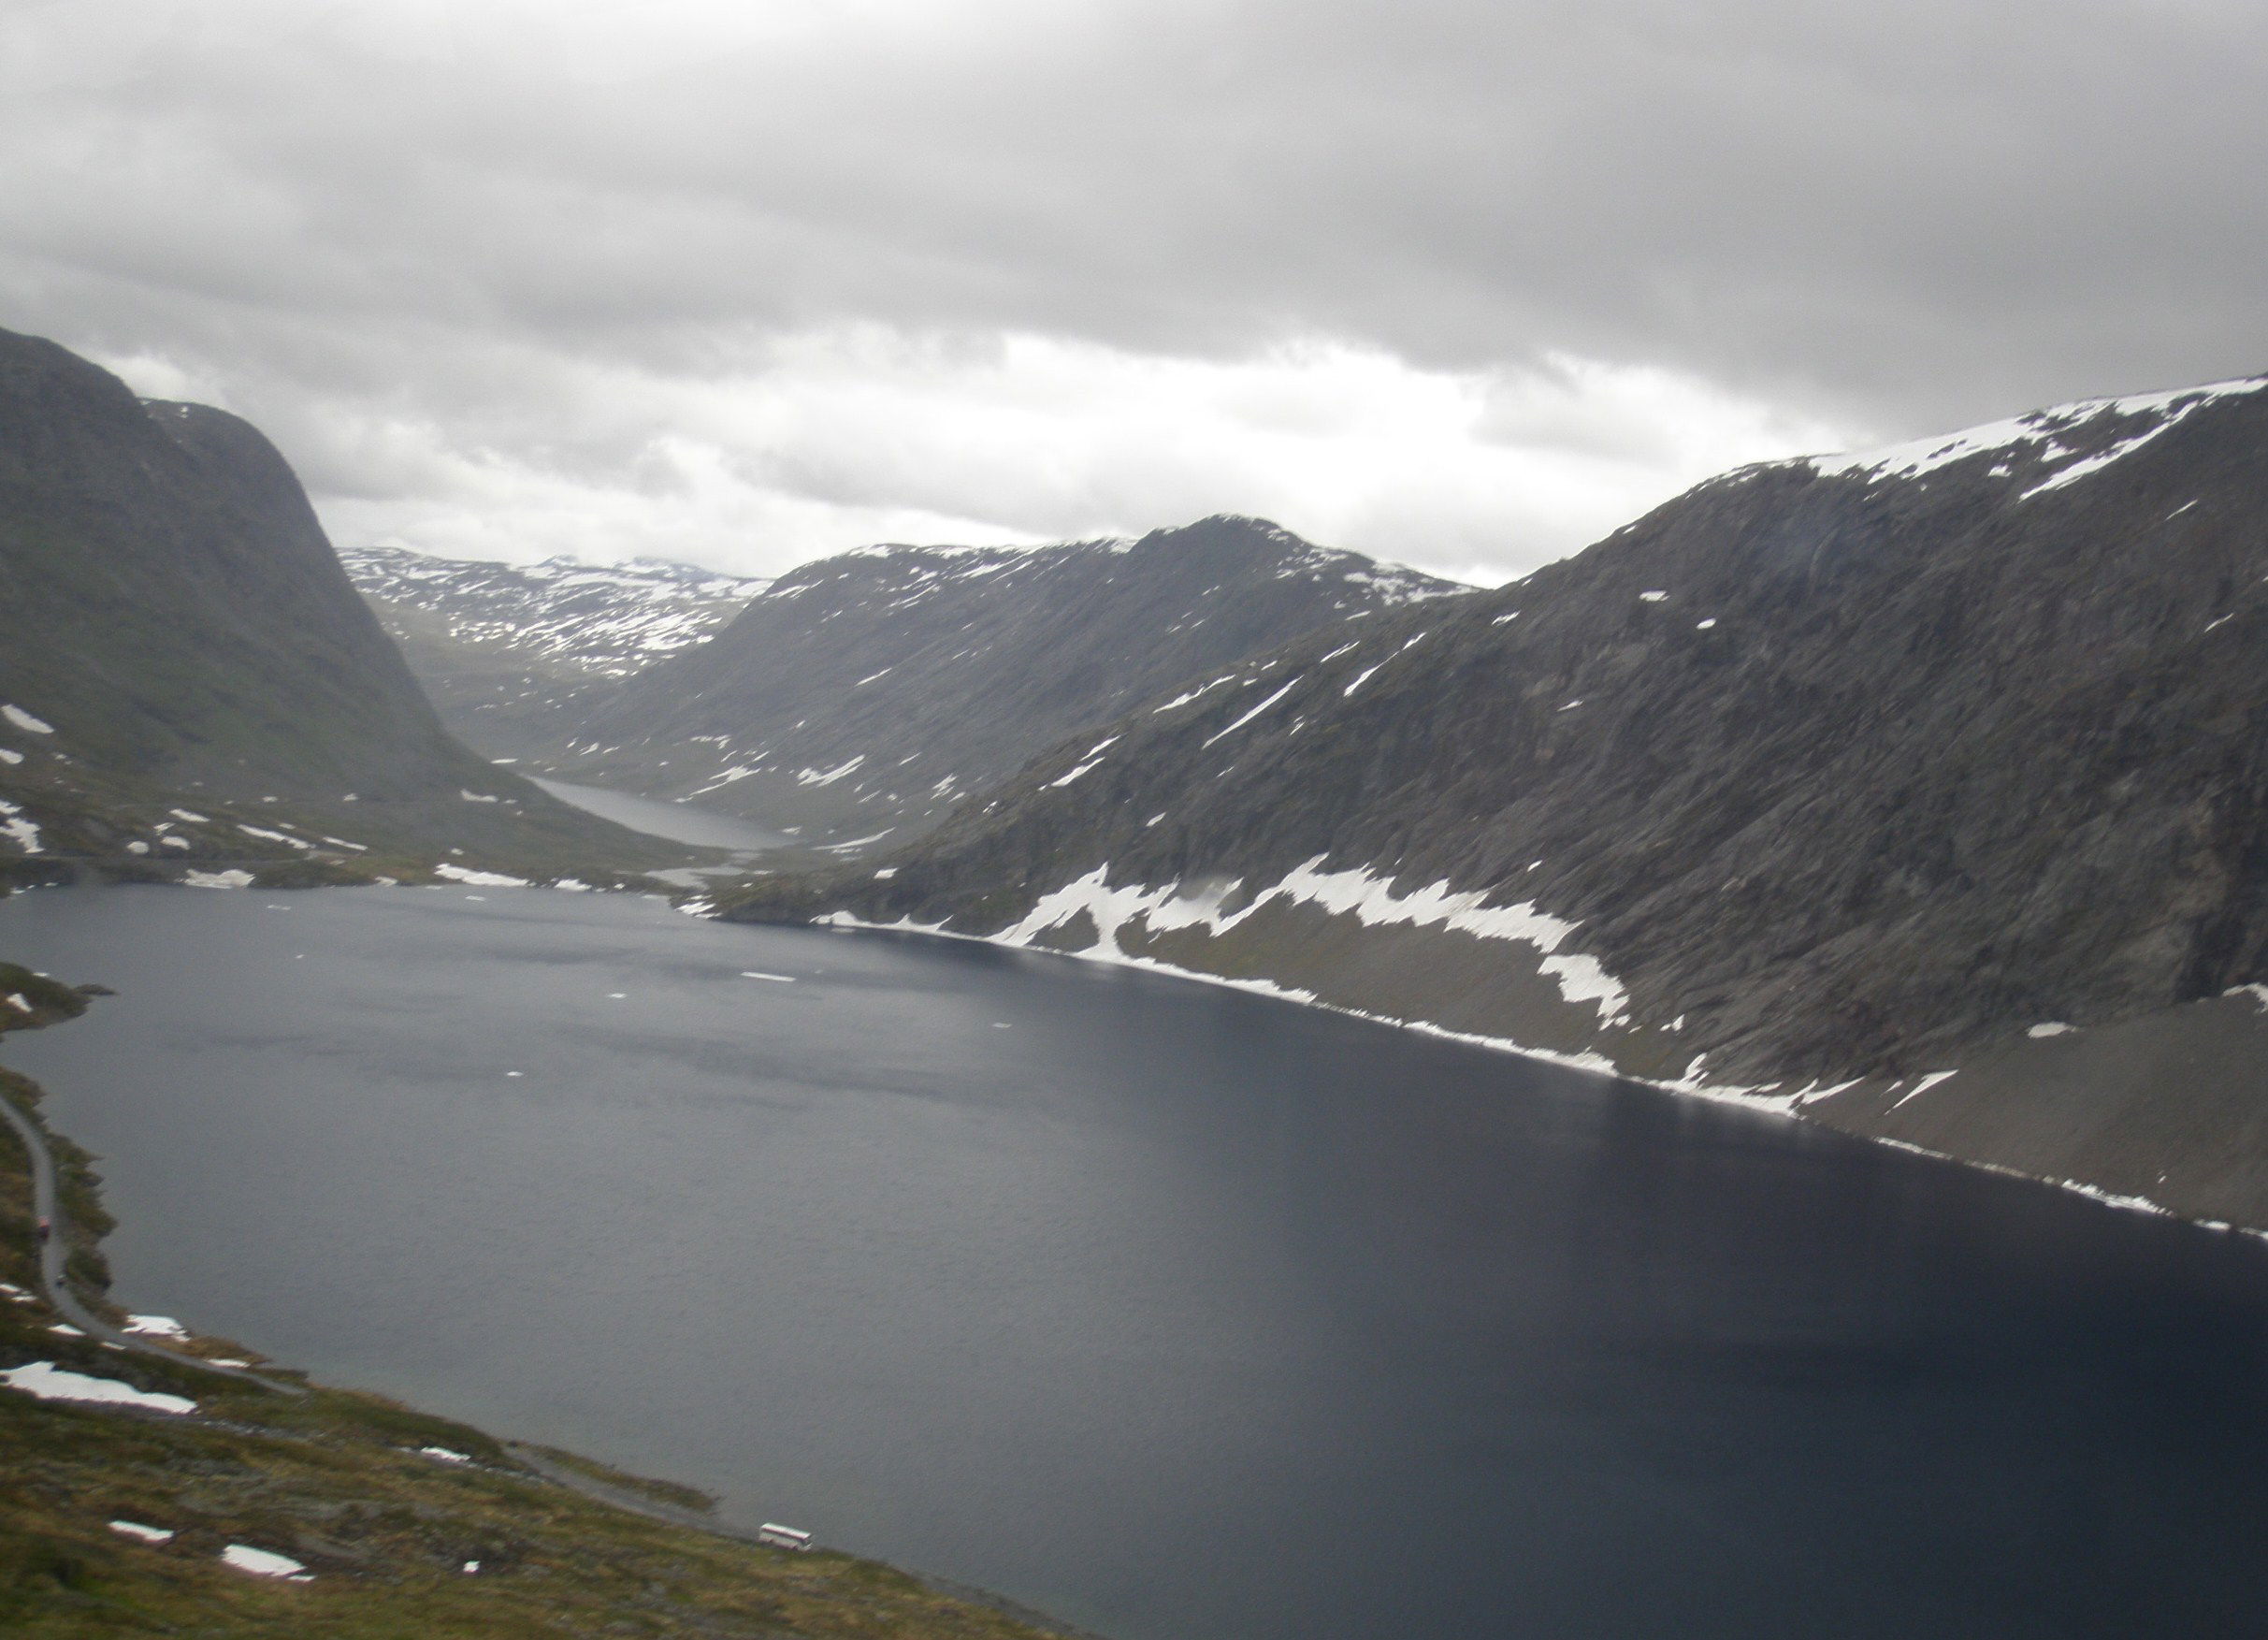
(344, 1484)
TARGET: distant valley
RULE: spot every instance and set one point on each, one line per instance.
(862, 698)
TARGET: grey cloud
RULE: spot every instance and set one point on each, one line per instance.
(1902, 218)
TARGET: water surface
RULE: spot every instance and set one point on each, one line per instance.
(1183, 1314)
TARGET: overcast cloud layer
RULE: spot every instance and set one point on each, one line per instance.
(1466, 284)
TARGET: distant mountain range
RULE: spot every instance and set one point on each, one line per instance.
(503, 649)
(187, 676)
(1827, 778)
(866, 695)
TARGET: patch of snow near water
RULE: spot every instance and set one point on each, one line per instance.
(49, 1382)
(1360, 893)
(216, 879)
(479, 879)
(156, 1327)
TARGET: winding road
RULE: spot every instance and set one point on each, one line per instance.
(46, 1205)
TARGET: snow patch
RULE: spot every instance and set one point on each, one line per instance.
(1359, 893)
(156, 1327)
(135, 1528)
(2052, 1028)
(48, 1382)
(1250, 715)
(2037, 429)
(24, 720)
(265, 1564)
(231, 879)
(827, 776)
(1092, 758)
(489, 880)
(23, 833)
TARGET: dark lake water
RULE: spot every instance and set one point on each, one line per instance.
(1182, 1313)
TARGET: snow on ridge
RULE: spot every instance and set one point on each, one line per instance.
(1092, 758)
(2038, 428)
(1360, 892)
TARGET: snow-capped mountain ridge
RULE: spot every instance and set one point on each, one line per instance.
(2066, 442)
(607, 620)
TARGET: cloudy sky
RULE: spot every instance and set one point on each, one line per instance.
(1465, 283)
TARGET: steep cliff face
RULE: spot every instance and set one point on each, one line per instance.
(174, 625)
(867, 696)
(1845, 768)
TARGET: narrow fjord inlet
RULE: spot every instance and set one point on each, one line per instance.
(1171, 1310)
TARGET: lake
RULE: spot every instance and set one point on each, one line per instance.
(1182, 1313)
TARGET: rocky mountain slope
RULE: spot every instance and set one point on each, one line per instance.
(867, 695)
(505, 649)
(186, 674)
(1827, 778)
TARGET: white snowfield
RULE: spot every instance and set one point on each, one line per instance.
(609, 619)
(479, 879)
(266, 1563)
(1359, 893)
(2039, 430)
(22, 832)
(24, 720)
(217, 879)
(48, 1382)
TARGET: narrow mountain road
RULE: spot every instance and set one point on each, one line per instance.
(46, 1205)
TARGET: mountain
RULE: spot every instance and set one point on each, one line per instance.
(503, 649)
(867, 695)
(1825, 779)
(186, 674)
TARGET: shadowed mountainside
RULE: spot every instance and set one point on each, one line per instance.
(869, 695)
(1861, 767)
(177, 638)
